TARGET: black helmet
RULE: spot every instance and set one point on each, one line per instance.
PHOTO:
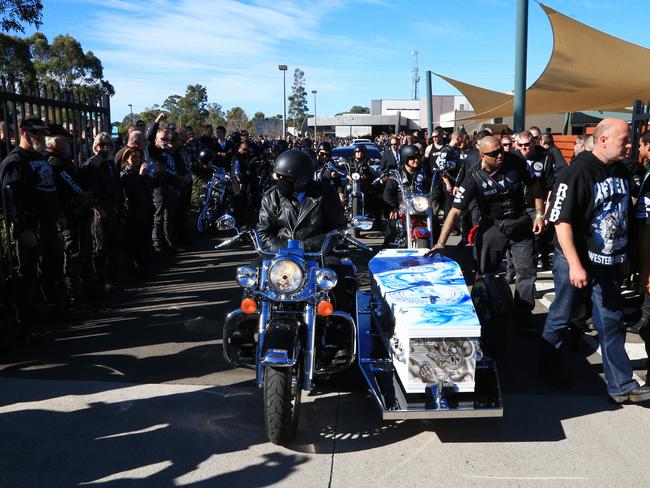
(296, 164)
(360, 147)
(324, 146)
(409, 151)
(235, 137)
(206, 156)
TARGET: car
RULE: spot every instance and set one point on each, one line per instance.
(347, 152)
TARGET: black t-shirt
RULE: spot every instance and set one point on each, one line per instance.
(642, 213)
(595, 199)
(500, 195)
(449, 162)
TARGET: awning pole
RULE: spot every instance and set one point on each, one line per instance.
(429, 105)
(519, 121)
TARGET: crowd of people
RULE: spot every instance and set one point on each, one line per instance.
(79, 219)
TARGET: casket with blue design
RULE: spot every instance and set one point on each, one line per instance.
(428, 318)
(426, 355)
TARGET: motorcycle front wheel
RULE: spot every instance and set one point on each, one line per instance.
(201, 223)
(282, 394)
(356, 209)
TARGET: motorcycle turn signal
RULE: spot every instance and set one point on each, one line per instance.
(324, 308)
(248, 306)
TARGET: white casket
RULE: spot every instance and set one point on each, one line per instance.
(427, 318)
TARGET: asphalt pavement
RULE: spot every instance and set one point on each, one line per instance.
(135, 392)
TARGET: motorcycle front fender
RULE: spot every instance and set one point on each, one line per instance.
(281, 346)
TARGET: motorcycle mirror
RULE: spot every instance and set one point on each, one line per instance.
(361, 222)
(226, 222)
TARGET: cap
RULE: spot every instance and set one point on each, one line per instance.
(35, 125)
(57, 130)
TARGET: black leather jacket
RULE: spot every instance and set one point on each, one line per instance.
(319, 213)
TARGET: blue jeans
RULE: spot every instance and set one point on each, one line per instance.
(608, 317)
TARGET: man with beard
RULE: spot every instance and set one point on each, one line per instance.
(76, 204)
(31, 205)
(165, 188)
(542, 166)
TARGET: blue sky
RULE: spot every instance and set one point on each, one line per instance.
(351, 51)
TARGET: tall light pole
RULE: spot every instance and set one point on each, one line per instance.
(131, 109)
(314, 93)
(283, 68)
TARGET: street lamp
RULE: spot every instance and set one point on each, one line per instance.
(131, 109)
(283, 68)
(314, 93)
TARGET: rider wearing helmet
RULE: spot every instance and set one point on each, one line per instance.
(327, 171)
(205, 160)
(298, 207)
(361, 164)
(414, 175)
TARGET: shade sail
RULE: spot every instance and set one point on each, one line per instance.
(588, 70)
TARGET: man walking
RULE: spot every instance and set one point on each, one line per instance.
(590, 212)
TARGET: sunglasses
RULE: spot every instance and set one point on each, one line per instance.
(506, 144)
(524, 144)
(495, 153)
(105, 144)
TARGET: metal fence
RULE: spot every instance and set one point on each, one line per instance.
(84, 116)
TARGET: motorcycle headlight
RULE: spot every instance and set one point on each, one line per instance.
(286, 276)
(356, 176)
(420, 203)
(326, 279)
(247, 276)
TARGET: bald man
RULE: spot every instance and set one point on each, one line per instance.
(590, 212)
(497, 185)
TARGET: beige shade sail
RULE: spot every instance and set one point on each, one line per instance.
(588, 70)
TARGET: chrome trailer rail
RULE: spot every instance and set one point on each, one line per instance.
(377, 368)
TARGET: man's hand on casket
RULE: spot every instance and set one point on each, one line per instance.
(437, 249)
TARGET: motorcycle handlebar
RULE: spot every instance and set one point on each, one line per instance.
(358, 243)
(228, 242)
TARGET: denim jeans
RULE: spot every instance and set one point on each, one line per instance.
(608, 316)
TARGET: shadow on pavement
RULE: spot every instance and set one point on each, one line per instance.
(165, 438)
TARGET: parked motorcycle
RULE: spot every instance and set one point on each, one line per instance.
(417, 227)
(290, 326)
(217, 200)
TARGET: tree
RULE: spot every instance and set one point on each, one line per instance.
(236, 120)
(298, 99)
(194, 105)
(66, 64)
(358, 109)
(259, 116)
(16, 59)
(216, 116)
(15, 12)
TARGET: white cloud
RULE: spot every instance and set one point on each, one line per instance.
(154, 49)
